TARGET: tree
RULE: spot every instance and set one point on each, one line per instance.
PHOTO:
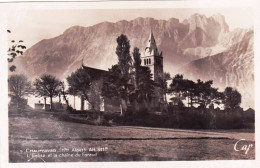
(185, 88)
(163, 83)
(194, 92)
(79, 83)
(19, 87)
(73, 92)
(207, 95)
(137, 63)
(15, 50)
(177, 88)
(232, 98)
(201, 93)
(64, 93)
(95, 97)
(215, 97)
(118, 79)
(114, 86)
(123, 54)
(145, 87)
(190, 91)
(137, 58)
(47, 85)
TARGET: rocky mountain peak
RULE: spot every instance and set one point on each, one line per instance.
(205, 31)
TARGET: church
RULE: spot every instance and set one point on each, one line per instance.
(150, 57)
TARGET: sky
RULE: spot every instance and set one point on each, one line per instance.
(35, 25)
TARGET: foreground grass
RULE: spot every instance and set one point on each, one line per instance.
(39, 130)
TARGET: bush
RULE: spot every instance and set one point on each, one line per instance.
(184, 118)
(18, 104)
(187, 118)
(70, 109)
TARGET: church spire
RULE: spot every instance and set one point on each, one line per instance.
(151, 45)
(151, 40)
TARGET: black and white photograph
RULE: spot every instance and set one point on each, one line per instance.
(130, 85)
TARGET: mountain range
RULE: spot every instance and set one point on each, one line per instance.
(199, 47)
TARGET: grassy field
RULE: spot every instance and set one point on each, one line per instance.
(38, 136)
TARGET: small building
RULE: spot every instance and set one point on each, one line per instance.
(38, 106)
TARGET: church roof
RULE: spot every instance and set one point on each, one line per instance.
(93, 69)
(93, 72)
(151, 44)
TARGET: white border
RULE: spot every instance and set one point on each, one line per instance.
(5, 8)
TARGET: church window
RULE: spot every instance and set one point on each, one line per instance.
(144, 61)
(149, 60)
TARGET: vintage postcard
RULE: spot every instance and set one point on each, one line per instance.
(129, 82)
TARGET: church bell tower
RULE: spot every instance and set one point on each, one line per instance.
(152, 58)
